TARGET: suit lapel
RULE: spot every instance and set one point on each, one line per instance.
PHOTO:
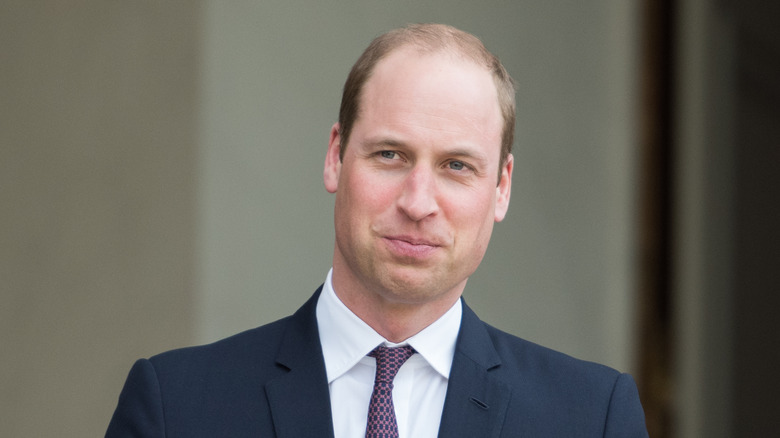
(476, 401)
(299, 400)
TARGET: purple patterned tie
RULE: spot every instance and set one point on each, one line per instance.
(381, 413)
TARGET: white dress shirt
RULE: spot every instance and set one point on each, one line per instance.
(419, 387)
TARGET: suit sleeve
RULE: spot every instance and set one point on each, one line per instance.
(139, 412)
(625, 418)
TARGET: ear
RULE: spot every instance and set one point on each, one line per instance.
(332, 161)
(504, 189)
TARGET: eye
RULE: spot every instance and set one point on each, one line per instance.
(388, 154)
(456, 165)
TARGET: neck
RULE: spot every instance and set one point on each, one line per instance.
(399, 323)
(394, 319)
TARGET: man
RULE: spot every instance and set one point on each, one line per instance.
(421, 167)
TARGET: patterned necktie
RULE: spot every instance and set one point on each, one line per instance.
(381, 413)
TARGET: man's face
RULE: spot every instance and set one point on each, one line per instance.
(416, 192)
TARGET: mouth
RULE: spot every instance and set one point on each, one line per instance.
(411, 247)
(414, 240)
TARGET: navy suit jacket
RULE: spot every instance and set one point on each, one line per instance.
(271, 382)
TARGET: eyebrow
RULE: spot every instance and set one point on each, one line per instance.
(383, 142)
(460, 152)
(455, 151)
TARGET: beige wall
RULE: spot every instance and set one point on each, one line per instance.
(160, 180)
(97, 203)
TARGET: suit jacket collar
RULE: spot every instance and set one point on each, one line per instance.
(299, 400)
(475, 404)
(477, 400)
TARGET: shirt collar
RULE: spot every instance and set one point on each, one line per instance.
(346, 339)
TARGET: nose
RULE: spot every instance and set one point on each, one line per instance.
(418, 195)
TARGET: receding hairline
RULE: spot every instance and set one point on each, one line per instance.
(429, 39)
(432, 39)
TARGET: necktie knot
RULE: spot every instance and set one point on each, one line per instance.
(389, 361)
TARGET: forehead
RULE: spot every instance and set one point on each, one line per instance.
(430, 87)
(410, 67)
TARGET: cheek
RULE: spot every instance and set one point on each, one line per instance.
(366, 196)
(473, 225)
(470, 211)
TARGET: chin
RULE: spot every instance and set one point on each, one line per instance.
(413, 290)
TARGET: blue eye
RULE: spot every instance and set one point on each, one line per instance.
(388, 154)
(457, 165)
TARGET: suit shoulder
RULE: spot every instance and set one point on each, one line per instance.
(518, 354)
(597, 400)
(257, 346)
